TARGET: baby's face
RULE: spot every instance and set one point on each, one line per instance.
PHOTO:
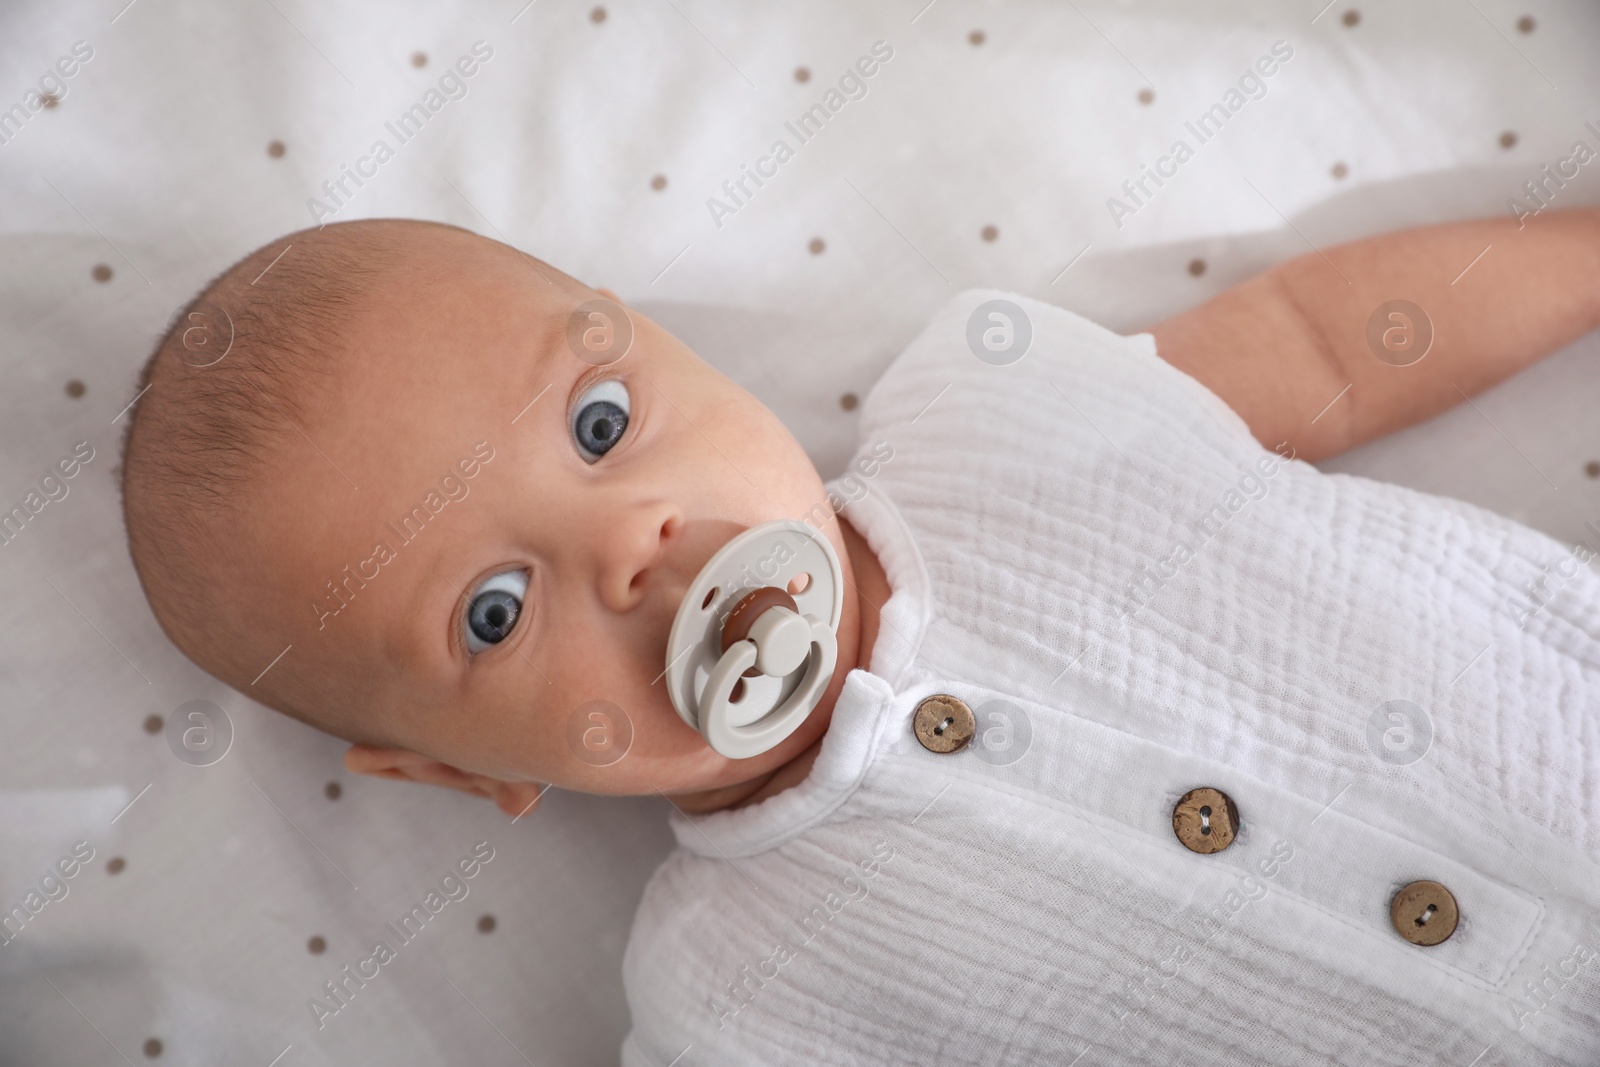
(519, 526)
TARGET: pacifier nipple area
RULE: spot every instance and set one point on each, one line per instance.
(754, 643)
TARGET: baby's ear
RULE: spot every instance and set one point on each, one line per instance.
(516, 799)
(402, 765)
(513, 798)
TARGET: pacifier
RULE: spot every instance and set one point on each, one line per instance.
(754, 642)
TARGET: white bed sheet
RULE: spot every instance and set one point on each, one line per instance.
(155, 163)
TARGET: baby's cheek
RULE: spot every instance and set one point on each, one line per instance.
(587, 703)
(770, 457)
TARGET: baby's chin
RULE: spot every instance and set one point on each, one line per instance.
(677, 761)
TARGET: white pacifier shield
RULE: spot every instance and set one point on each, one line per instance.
(794, 651)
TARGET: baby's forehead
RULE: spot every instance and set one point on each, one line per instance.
(436, 318)
(434, 371)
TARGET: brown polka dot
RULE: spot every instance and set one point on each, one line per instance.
(1508, 139)
(989, 233)
(1592, 468)
(1340, 170)
(486, 924)
(1351, 17)
(75, 389)
(802, 75)
(115, 864)
(976, 37)
(1146, 96)
(100, 273)
(659, 182)
(152, 1047)
(419, 59)
(1526, 24)
(317, 945)
(817, 245)
(50, 99)
(333, 790)
(848, 401)
(597, 15)
(152, 724)
(275, 149)
(1197, 267)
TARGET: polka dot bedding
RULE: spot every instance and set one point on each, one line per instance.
(1073, 153)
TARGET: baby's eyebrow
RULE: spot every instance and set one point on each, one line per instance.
(548, 343)
(410, 638)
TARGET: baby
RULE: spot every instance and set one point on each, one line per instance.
(1147, 742)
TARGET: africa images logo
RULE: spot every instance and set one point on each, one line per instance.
(405, 127)
(1251, 85)
(852, 85)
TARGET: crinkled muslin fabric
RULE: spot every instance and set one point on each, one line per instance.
(1137, 599)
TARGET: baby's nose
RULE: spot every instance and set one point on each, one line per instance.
(632, 549)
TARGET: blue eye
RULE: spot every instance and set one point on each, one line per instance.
(599, 418)
(494, 608)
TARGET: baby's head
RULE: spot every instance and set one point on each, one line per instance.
(384, 447)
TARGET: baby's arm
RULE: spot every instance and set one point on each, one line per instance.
(1280, 347)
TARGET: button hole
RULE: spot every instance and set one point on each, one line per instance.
(939, 730)
(1205, 819)
(1427, 914)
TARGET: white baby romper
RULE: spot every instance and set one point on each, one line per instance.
(1158, 603)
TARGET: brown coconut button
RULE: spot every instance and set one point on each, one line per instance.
(1424, 913)
(944, 723)
(1205, 820)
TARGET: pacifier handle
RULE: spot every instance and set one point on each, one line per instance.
(764, 633)
(743, 615)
